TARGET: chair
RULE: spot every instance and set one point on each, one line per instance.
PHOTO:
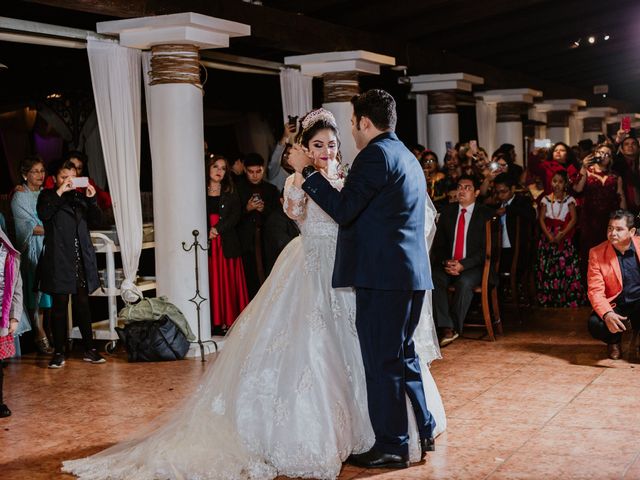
(489, 285)
(511, 274)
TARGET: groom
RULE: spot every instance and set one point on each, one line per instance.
(381, 252)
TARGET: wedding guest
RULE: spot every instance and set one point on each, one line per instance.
(80, 160)
(258, 199)
(277, 171)
(457, 257)
(559, 158)
(416, 149)
(434, 177)
(30, 241)
(11, 312)
(3, 224)
(227, 286)
(626, 166)
(452, 170)
(515, 171)
(558, 274)
(237, 172)
(511, 208)
(614, 283)
(602, 193)
(68, 265)
(497, 166)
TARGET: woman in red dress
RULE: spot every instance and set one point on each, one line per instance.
(602, 193)
(227, 286)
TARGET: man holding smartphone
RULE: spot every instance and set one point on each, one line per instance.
(614, 283)
(259, 198)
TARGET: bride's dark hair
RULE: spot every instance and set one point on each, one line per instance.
(323, 122)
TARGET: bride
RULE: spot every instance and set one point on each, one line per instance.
(287, 395)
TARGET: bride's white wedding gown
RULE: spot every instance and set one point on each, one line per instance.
(286, 395)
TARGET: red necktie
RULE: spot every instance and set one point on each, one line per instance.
(458, 251)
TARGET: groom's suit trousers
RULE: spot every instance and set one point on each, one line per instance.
(386, 321)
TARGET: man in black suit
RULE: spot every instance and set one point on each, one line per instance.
(381, 252)
(512, 207)
(259, 198)
(457, 257)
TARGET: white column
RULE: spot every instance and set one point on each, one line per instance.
(595, 121)
(339, 71)
(512, 105)
(442, 120)
(576, 127)
(175, 114)
(558, 116)
(538, 112)
(422, 112)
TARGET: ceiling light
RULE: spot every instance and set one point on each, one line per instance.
(591, 40)
(53, 96)
(607, 37)
(604, 95)
(575, 44)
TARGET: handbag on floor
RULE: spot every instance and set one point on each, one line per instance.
(153, 340)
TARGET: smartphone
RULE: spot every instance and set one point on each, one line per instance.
(256, 197)
(625, 124)
(80, 182)
(449, 145)
(293, 120)
(473, 144)
(494, 166)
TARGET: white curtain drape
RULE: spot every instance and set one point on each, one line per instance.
(297, 92)
(115, 76)
(486, 116)
(422, 111)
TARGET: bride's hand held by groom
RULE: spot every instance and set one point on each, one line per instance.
(299, 157)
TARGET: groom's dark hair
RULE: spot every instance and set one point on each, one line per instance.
(378, 106)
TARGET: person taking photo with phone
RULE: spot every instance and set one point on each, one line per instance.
(602, 193)
(258, 199)
(68, 265)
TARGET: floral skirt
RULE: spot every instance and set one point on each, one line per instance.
(558, 279)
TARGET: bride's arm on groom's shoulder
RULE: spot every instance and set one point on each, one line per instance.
(295, 200)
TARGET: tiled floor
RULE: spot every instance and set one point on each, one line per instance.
(542, 402)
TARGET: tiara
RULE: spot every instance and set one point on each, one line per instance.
(315, 115)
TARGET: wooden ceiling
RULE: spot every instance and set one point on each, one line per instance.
(511, 43)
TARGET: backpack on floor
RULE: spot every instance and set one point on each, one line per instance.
(153, 340)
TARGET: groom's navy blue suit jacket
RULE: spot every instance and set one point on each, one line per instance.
(381, 213)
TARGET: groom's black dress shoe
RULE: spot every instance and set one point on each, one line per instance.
(427, 445)
(376, 459)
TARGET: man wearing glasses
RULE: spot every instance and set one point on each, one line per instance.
(457, 257)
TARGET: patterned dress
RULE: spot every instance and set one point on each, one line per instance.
(557, 274)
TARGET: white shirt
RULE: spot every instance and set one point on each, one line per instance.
(506, 243)
(467, 221)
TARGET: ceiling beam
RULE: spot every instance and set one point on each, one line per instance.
(290, 32)
(456, 15)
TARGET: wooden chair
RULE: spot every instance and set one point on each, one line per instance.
(488, 289)
(511, 276)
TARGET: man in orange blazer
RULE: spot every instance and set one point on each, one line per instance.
(614, 283)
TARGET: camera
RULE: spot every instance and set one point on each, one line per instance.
(596, 159)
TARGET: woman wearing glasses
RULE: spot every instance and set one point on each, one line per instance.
(435, 178)
(602, 193)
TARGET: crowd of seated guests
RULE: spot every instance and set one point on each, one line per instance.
(567, 194)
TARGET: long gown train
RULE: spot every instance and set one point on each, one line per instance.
(286, 395)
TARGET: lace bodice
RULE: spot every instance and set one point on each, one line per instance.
(311, 219)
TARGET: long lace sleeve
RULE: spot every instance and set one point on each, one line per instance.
(295, 200)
